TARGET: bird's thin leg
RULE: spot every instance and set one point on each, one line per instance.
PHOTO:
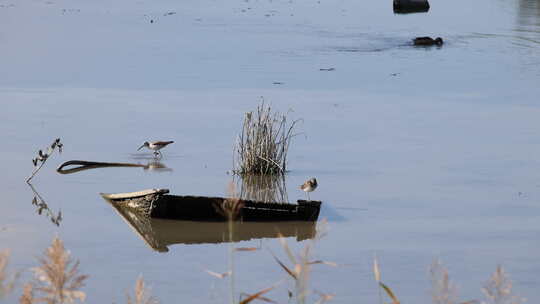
(309, 199)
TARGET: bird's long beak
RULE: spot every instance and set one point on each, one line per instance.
(140, 147)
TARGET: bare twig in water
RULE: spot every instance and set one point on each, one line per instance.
(43, 208)
(57, 278)
(142, 294)
(263, 145)
(498, 290)
(42, 157)
(7, 281)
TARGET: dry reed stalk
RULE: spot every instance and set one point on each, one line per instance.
(142, 294)
(377, 274)
(58, 279)
(498, 290)
(28, 294)
(443, 291)
(6, 284)
(302, 266)
(263, 145)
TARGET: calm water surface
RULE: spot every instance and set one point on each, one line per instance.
(421, 153)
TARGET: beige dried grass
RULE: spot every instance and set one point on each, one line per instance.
(443, 291)
(28, 294)
(7, 280)
(302, 264)
(498, 290)
(142, 294)
(263, 145)
(57, 278)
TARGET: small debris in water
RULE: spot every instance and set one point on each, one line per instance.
(169, 13)
(327, 70)
(277, 82)
(394, 74)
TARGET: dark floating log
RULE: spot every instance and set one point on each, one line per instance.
(156, 203)
(410, 6)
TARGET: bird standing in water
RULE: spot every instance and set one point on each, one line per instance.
(155, 146)
(309, 186)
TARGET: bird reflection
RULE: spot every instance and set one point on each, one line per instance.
(156, 166)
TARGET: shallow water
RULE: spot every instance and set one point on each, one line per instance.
(420, 153)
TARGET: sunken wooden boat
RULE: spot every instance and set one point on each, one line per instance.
(159, 234)
(157, 203)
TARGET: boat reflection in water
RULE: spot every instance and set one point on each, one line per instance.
(159, 234)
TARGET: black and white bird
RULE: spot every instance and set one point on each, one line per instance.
(155, 146)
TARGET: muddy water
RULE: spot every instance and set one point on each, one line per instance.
(420, 153)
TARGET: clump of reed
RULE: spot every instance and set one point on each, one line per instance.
(263, 145)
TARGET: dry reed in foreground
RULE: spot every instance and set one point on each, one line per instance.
(57, 278)
(6, 283)
(302, 267)
(263, 145)
(498, 290)
(142, 294)
(443, 291)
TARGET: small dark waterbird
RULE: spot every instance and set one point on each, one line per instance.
(309, 186)
(155, 146)
(426, 41)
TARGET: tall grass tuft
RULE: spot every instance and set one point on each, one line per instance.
(498, 290)
(443, 291)
(6, 283)
(263, 145)
(57, 278)
(142, 294)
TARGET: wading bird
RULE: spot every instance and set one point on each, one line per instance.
(309, 186)
(155, 146)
